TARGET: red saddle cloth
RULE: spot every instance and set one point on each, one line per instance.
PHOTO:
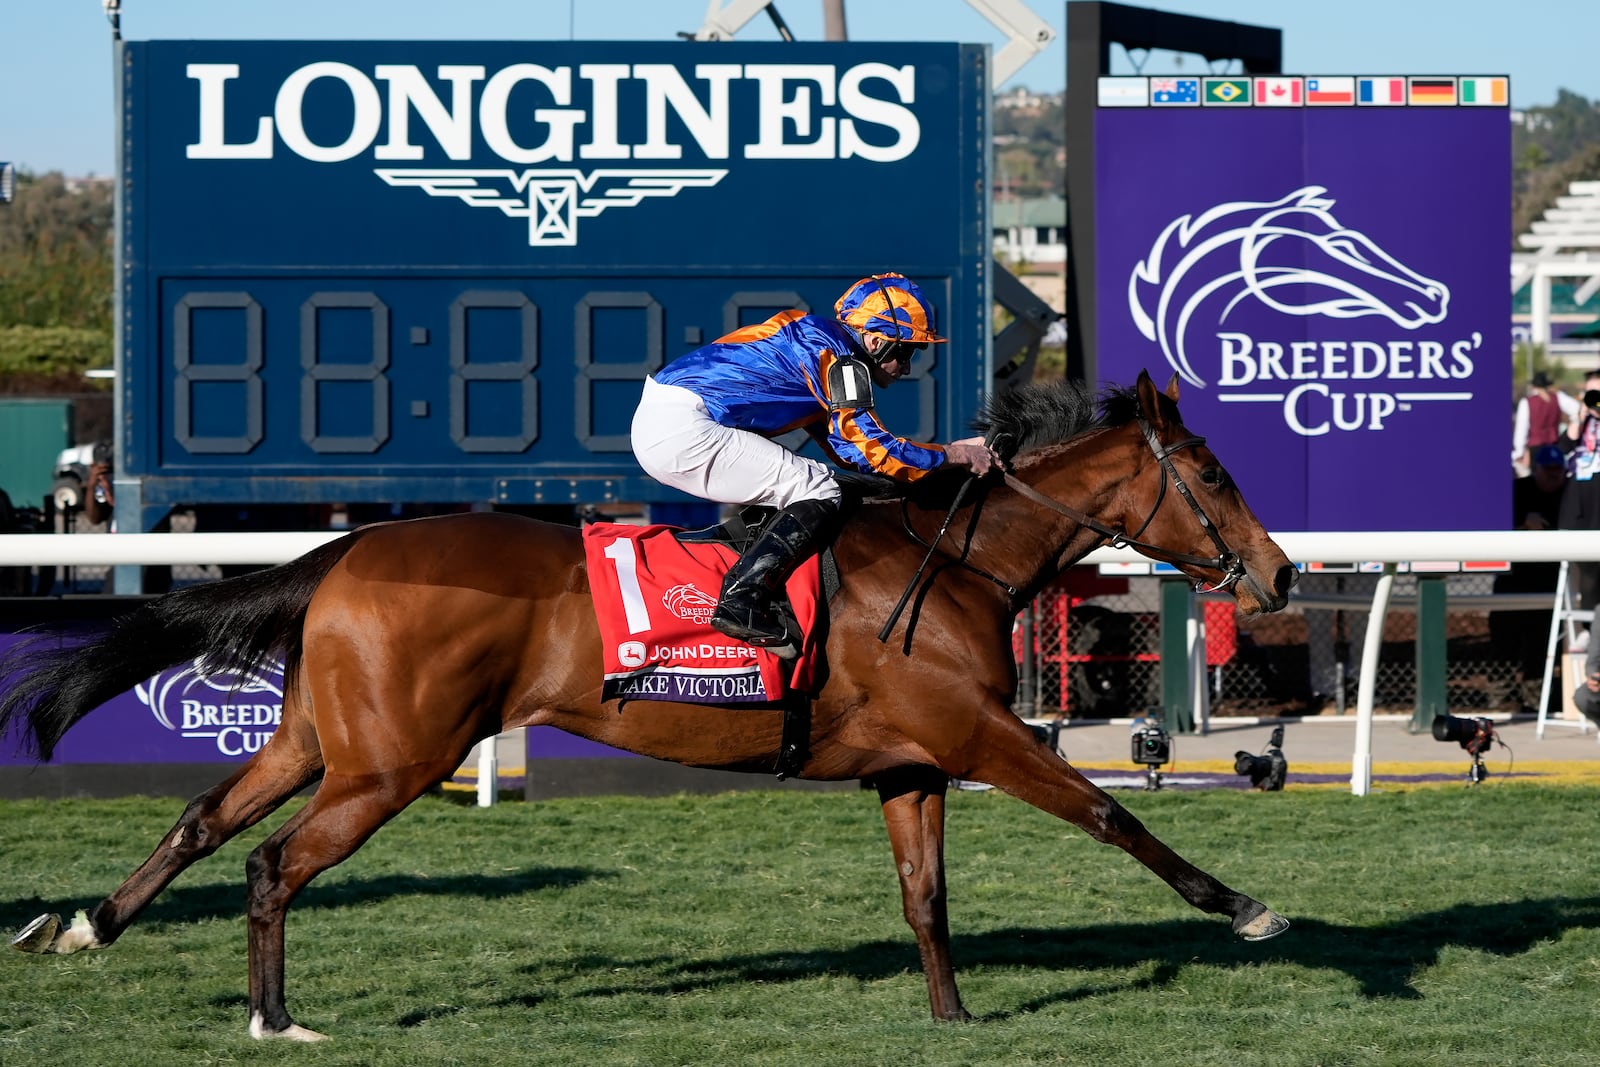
(653, 598)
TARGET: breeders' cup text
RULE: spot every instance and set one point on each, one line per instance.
(1311, 408)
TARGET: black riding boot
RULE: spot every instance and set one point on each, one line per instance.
(748, 608)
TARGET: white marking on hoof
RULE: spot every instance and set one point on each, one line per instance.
(1268, 924)
(38, 935)
(259, 1031)
(78, 936)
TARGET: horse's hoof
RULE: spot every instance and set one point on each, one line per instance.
(293, 1032)
(1259, 924)
(38, 935)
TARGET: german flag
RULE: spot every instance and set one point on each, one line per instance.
(1432, 91)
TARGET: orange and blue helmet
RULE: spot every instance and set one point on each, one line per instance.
(891, 305)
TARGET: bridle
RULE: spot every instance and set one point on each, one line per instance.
(1226, 560)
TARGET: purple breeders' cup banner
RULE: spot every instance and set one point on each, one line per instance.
(1329, 285)
(176, 717)
(180, 716)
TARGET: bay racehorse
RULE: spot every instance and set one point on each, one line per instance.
(405, 643)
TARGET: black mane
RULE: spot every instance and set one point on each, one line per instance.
(1027, 417)
(1047, 413)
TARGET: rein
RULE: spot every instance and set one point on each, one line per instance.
(1226, 560)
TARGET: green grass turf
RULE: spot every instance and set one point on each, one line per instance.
(1437, 926)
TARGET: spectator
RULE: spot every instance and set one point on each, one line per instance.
(1580, 505)
(99, 499)
(1535, 505)
(100, 506)
(1586, 698)
(1536, 499)
(1540, 416)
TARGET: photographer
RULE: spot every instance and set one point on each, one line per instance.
(1580, 506)
(99, 499)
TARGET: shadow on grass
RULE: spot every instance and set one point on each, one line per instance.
(187, 904)
(1384, 959)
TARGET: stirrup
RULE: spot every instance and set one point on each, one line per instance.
(782, 644)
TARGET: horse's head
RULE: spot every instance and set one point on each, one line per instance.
(1125, 470)
(1181, 496)
(1325, 268)
(1290, 254)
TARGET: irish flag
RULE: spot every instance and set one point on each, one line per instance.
(1485, 92)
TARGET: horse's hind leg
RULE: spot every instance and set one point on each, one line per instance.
(346, 810)
(913, 810)
(286, 764)
(1009, 757)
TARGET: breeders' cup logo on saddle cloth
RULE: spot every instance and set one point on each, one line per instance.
(237, 711)
(1292, 257)
(526, 113)
(689, 603)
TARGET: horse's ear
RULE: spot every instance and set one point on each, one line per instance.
(1150, 400)
(1172, 387)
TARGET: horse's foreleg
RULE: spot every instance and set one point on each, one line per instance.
(345, 811)
(288, 763)
(913, 810)
(1008, 756)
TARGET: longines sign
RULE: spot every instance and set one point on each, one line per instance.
(439, 271)
(1327, 279)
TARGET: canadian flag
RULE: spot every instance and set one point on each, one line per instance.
(1279, 92)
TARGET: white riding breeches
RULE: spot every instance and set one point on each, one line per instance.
(680, 445)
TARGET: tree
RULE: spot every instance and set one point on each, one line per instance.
(55, 254)
(56, 282)
(1552, 147)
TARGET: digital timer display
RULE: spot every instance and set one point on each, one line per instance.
(440, 271)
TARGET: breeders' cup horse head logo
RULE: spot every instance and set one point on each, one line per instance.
(690, 604)
(1291, 255)
(162, 692)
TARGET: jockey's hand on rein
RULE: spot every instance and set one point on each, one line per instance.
(972, 452)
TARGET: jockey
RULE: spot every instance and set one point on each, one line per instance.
(705, 422)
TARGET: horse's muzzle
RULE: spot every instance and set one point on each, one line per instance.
(1277, 597)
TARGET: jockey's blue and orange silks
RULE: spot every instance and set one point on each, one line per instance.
(772, 377)
(890, 304)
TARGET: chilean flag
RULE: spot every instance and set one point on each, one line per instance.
(1279, 92)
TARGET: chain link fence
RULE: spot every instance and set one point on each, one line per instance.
(1095, 651)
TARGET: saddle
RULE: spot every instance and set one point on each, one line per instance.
(654, 589)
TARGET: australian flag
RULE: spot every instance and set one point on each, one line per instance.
(1175, 91)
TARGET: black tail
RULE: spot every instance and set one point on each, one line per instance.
(234, 624)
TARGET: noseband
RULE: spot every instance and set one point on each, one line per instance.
(1226, 560)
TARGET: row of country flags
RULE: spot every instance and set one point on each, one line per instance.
(1280, 90)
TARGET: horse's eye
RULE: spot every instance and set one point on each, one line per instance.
(1215, 477)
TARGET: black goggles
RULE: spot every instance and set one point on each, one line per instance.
(901, 350)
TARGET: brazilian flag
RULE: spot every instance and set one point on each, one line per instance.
(1226, 91)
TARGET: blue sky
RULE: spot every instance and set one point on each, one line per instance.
(55, 60)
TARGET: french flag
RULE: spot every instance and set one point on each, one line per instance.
(1389, 92)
